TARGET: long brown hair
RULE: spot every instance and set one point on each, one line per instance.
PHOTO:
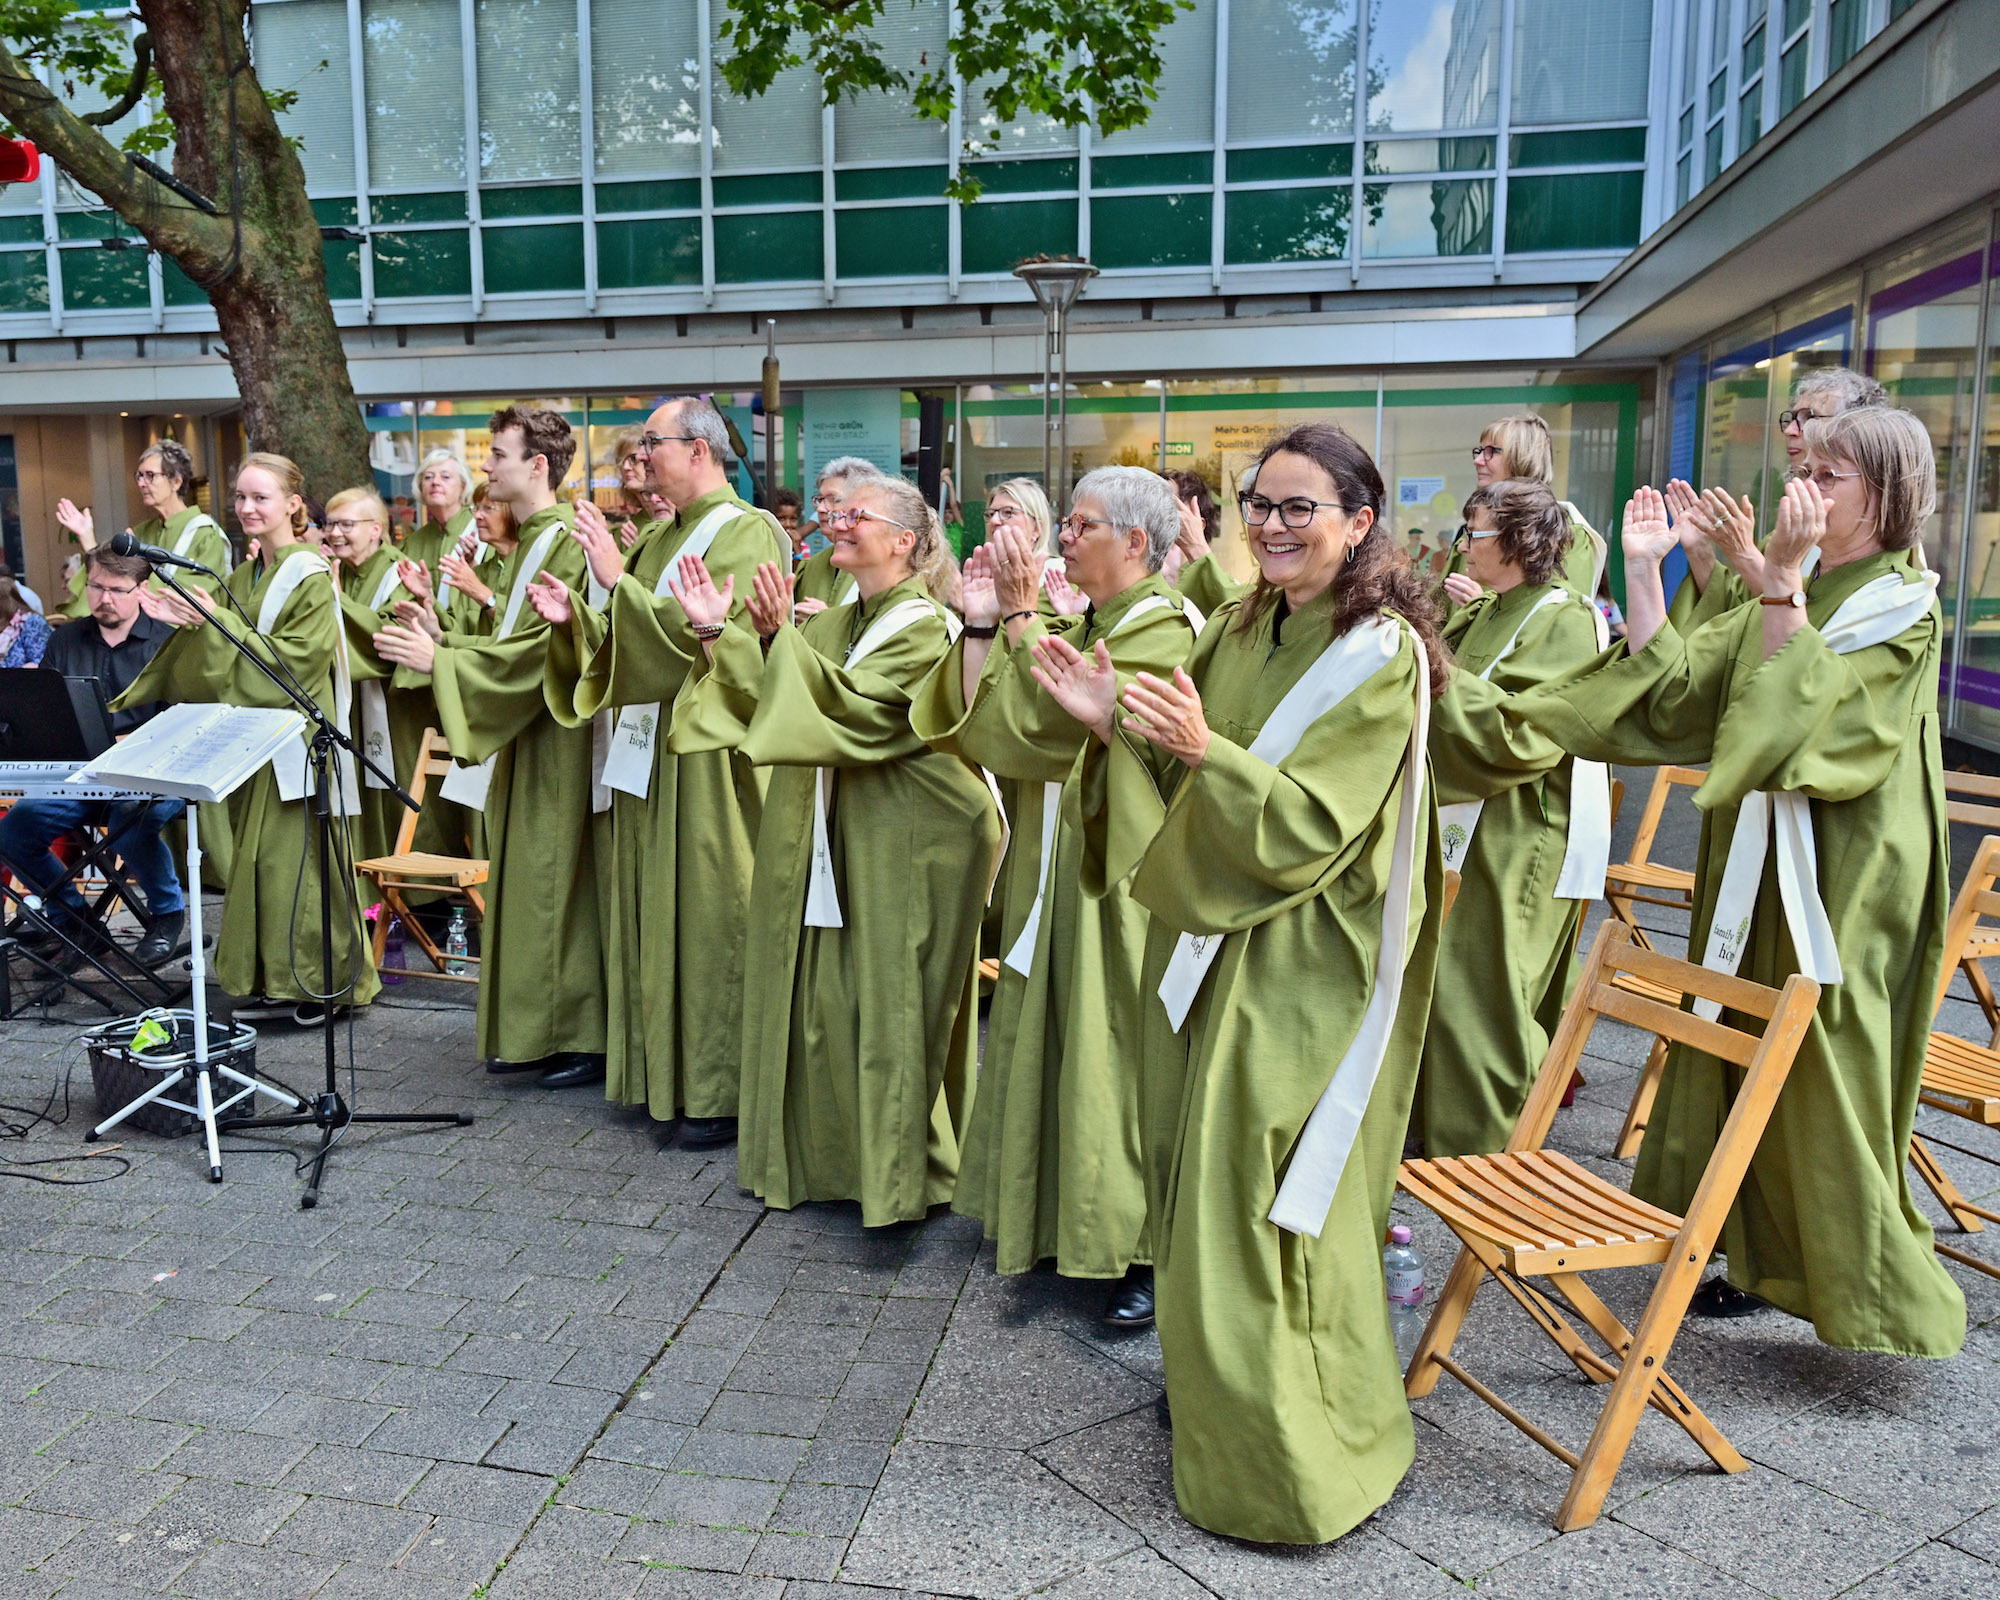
(1377, 575)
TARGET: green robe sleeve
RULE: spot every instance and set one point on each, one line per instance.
(200, 663)
(1207, 585)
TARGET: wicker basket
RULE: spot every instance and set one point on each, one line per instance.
(119, 1075)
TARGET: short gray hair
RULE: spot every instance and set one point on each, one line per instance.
(447, 458)
(1135, 497)
(852, 468)
(701, 419)
(1847, 386)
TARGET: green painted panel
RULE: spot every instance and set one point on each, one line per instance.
(392, 209)
(541, 200)
(91, 225)
(104, 279)
(770, 189)
(1304, 161)
(634, 255)
(342, 258)
(1146, 172)
(1151, 230)
(335, 213)
(1585, 211)
(891, 242)
(1287, 225)
(993, 236)
(1024, 177)
(891, 183)
(433, 263)
(529, 260)
(181, 290)
(24, 280)
(774, 247)
(21, 230)
(658, 194)
(1577, 149)
(1319, 399)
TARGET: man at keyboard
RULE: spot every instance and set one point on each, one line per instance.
(111, 645)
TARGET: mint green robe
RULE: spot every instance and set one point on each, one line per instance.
(858, 1041)
(677, 916)
(1289, 1420)
(1208, 585)
(1824, 1226)
(270, 940)
(430, 544)
(1052, 1160)
(210, 545)
(819, 579)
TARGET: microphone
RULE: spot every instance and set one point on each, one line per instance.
(127, 544)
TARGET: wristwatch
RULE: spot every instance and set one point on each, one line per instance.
(1796, 598)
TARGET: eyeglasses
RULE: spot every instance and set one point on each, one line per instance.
(1466, 533)
(1481, 452)
(142, 477)
(107, 591)
(848, 516)
(1822, 477)
(1297, 512)
(1074, 526)
(629, 457)
(1002, 513)
(649, 442)
(342, 525)
(1800, 416)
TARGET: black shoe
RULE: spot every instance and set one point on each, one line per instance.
(32, 930)
(499, 1068)
(1162, 1412)
(312, 1014)
(1720, 1298)
(162, 940)
(1131, 1303)
(572, 1070)
(705, 1133)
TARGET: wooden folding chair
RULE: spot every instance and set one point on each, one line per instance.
(1961, 1077)
(1965, 793)
(456, 877)
(1534, 1213)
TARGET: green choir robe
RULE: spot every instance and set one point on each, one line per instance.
(858, 1041)
(1824, 1226)
(819, 579)
(430, 544)
(541, 988)
(209, 544)
(1208, 585)
(1507, 955)
(270, 940)
(381, 812)
(76, 603)
(1052, 1163)
(1289, 1420)
(674, 989)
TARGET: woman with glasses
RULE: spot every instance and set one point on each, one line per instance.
(1052, 1157)
(1816, 711)
(165, 481)
(1508, 952)
(1517, 449)
(874, 859)
(1268, 804)
(819, 583)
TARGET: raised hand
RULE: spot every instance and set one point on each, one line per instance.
(801, 609)
(1017, 570)
(1192, 540)
(628, 534)
(468, 543)
(418, 614)
(407, 647)
(1068, 600)
(549, 595)
(1462, 589)
(458, 572)
(1168, 715)
(979, 595)
(770, 600)
(1732, 524)
(706, 606)
(1647, 536)
(79, 522)
(1682, 502)
(600, 544)
(1084, 686)
(415, 577)
(163, 605)
(1801, 525)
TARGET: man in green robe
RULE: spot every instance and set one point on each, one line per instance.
(541, 990)
(1052, 1160)
(683, 828)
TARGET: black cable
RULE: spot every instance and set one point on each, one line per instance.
(1946, 1144)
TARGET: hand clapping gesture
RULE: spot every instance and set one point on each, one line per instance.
(600, 544)
(418, 614)
(406, 644)
(163, 605)
(1017, 570)
(416, 578)
(1068, 600)
(706, 606)
(549, 595)
(770, 600)
(1192, 540)
(1801, 525)
(1462, 589)
(1084, 686)
(979, 595)
(1647, 537)
(1168, 715)
(457, 570)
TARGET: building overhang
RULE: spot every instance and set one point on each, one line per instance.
(1904, 135)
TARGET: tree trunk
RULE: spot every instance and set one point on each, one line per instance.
(259, 261)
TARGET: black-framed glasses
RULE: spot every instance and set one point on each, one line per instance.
(1799, 415)
(1297, 512)
(1481, 452)
(649, 442)
(107, 591)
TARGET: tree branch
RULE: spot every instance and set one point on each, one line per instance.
(142, 66)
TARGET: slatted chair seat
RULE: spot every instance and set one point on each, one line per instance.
(1647, 875)
(1962, 1078)
(456, 877)
(1529, 1212)
(426, 870)
(1970, 797)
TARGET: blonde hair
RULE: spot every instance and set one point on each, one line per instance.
(360, 497)
(446, 458)
(1525, 448)
(1892, 451)
(291, 483)
(905, 502)
(1033, 499)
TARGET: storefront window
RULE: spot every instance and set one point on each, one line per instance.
(1736, 432)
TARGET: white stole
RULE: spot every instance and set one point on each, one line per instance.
(480, 551)
(184, 541)
(1021, 956)
(1874, 614)
(822, 892)
(289, 766)
(628, 761)
(374, 703)
(469, 786)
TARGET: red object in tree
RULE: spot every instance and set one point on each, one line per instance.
(20, 161)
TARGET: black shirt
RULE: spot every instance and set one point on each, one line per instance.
(77, 650)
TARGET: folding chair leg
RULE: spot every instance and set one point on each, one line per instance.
(1441, 1332)
(1982, 991)
(1640, 1112)
(384, 915)
(1962, 1210)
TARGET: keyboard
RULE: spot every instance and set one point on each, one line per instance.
(49, 780)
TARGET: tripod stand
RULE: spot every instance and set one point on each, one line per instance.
(328, 1111)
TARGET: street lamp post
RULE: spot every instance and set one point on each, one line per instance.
(1055, 282)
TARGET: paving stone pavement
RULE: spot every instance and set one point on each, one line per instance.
(543, 1357)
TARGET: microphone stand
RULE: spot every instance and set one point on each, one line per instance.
(329, 1113)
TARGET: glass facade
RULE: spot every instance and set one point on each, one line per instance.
(501, 149)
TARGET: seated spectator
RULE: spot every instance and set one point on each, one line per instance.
(24, 632)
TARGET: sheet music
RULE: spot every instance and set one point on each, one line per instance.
(196, 752)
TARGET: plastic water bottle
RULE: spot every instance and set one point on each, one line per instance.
(1403, 1271)
(394, 958)
(458, 945)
